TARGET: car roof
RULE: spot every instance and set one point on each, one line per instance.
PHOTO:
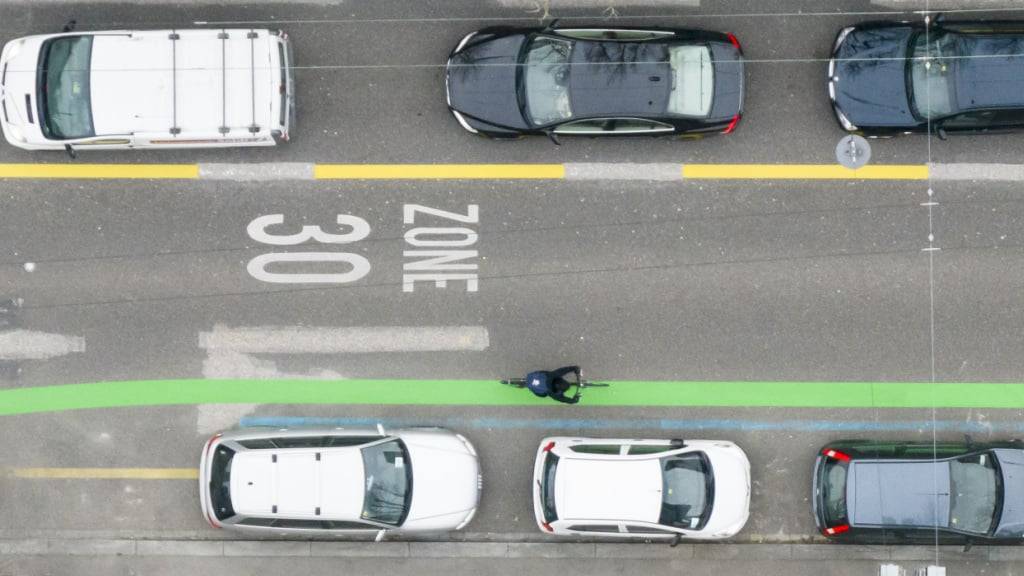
(318, 483)
(898, 493)
(992, 73)
(619, 79)
(144, 82)
(607, 489)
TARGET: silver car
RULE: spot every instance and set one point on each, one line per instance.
(339, 481)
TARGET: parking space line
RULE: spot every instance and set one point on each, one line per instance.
(491, 393)
(105, 473)
(101, 171)
(803, 172)
(439, 171)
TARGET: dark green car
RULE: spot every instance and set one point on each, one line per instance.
(884, 492)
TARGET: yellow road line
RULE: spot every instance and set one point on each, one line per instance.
(803, 172)
(439, 171)
(106, 473)
(101, 171)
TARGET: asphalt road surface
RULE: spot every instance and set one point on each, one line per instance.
(793, 280)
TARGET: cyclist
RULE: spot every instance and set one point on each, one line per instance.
(553, 384)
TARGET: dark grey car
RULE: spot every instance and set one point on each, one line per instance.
(887, 78)
(509, 82)
(910, 493)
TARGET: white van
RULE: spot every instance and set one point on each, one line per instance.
(200, 88)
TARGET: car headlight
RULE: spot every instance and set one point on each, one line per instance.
(464, 42)
(13, 49)
(468, 519)
(842, 36)
(844, 120)
(14, 132)
(464, 123)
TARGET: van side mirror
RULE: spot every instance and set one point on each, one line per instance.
(71, 151)
(553, 137)
(70, 26)
(380, 536)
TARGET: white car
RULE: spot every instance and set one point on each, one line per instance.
(199, 88)
(642, 489)
(339, 481)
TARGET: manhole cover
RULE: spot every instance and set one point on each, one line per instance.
(853, 151)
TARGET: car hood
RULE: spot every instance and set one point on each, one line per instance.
(731, 506)
(482, 81)
(871, 89)
(1011, 522)
(445, 483)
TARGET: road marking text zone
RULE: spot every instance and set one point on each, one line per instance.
(437, 251)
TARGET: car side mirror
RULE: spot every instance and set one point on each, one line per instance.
(969, 441)
(551, 25)
(675, 541)
(941, 133)
(969, 544)
(939, 18)
(70, 26)
(380, 429)
(71, 151)
(677, 443)
(553, 137)
(380, 536)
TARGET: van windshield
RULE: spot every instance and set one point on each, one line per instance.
(64, 91)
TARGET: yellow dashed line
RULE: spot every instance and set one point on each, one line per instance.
(803, 172)
(101, 171)
(439, 171)
(106, 473)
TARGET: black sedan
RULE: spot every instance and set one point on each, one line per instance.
(907, 493)
(889, 78)
(509, 82)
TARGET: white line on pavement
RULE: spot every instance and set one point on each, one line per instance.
(31, 345)
(303, 340)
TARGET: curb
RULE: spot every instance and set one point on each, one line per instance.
(498, 550)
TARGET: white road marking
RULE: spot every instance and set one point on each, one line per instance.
(212, 418)
(967, 171)
(31, 345)
(220, 365)
(622, 171)
(257, 172)
(370, 339)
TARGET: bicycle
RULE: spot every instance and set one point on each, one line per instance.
(580, 383)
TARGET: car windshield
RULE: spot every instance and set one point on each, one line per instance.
(692, 81)
(220, 482)
(931, 75)
(388, 482)
(687, 490)
(547, 488)
(833, 492)
(545, 76)
(64, 88)
(973, 493)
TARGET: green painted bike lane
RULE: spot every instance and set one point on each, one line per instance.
(492, 393)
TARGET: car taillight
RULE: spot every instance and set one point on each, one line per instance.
(732, 125)
(548, 447)
(837, 529)
(734, 40)
(547, 527)
(836, 455)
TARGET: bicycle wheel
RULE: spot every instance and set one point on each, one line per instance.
(515, 382)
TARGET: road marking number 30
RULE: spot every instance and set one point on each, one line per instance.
(436, 254)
